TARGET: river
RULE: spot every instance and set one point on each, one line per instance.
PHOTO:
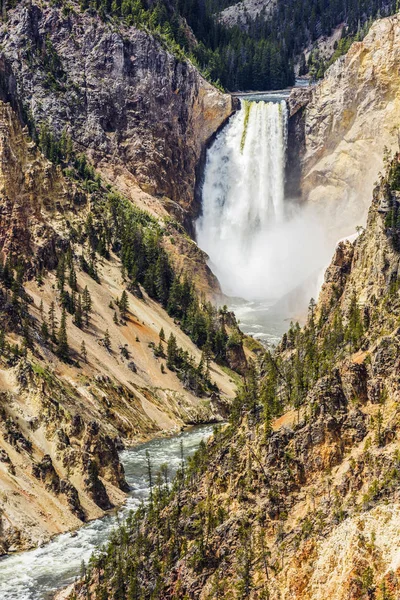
(37, 574)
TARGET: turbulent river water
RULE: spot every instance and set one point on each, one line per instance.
(36, 574)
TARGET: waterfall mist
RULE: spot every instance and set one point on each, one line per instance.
(260, 245)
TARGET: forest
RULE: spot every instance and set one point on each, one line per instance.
(259, 55)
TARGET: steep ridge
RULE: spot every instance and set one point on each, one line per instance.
(342, 125)
(142, 115)
(298, 497)
(82, 371)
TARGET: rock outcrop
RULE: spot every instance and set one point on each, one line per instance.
(343, 125)
(244, 12)
(142, 115)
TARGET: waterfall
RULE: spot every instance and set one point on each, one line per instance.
(243, 192)
(261, 245)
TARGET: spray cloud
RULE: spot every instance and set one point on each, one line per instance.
(260, 246)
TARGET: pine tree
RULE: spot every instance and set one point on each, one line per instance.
(172, 352)
(15, 298)
(160, 350)
(83, 351)
(115, 318)
(63, 348)
(162, 278)
(123, 304)
(86, 304)
(200, 368)
(41, 310)
(72, 280)
(53, 322)
(107, 340)
(78, 313)
(44, 330)
(26, 334)
(61, 273)
(162, 334)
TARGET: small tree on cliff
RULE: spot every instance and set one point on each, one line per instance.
(172, 352)
(63, 348)
(124, 304)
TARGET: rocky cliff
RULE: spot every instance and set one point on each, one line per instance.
(299, 497)
(343, 124)
(142, 115)
(243, 12)
(63, 417)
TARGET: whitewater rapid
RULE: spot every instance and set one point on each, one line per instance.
(36, 574)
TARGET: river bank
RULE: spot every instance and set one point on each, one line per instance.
(38, 574)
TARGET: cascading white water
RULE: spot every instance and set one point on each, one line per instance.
(243, 192)
(259, 245)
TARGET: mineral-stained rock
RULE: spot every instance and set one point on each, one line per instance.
(72, 497)
(94, 486)
(45, 471)
(342, 125)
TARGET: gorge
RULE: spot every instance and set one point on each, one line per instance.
(119, 333)
(57, 564)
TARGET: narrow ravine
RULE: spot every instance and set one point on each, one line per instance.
(35, 575)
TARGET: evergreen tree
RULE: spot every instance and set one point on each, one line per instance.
(86, 305)
(107, 340)
(78, 320)
(162, 278)
(53, 322)
(26, 334)
(172, 352)
(44, 330)
(61, 273)
(83, 351)
(123, 304)
(41, 310)
(72, 280)
(62, 347)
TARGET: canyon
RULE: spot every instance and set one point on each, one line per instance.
(114, 150)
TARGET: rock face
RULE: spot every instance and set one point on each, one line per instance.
(125, 100)
(30, 188)
(344, 124)
(61, 423)
(245, 11)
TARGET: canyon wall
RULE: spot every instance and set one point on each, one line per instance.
(342, 125)
(306, 505)
(142, 115)
(62, 422)
(143, 118)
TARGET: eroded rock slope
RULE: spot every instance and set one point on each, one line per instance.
(299, 497)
